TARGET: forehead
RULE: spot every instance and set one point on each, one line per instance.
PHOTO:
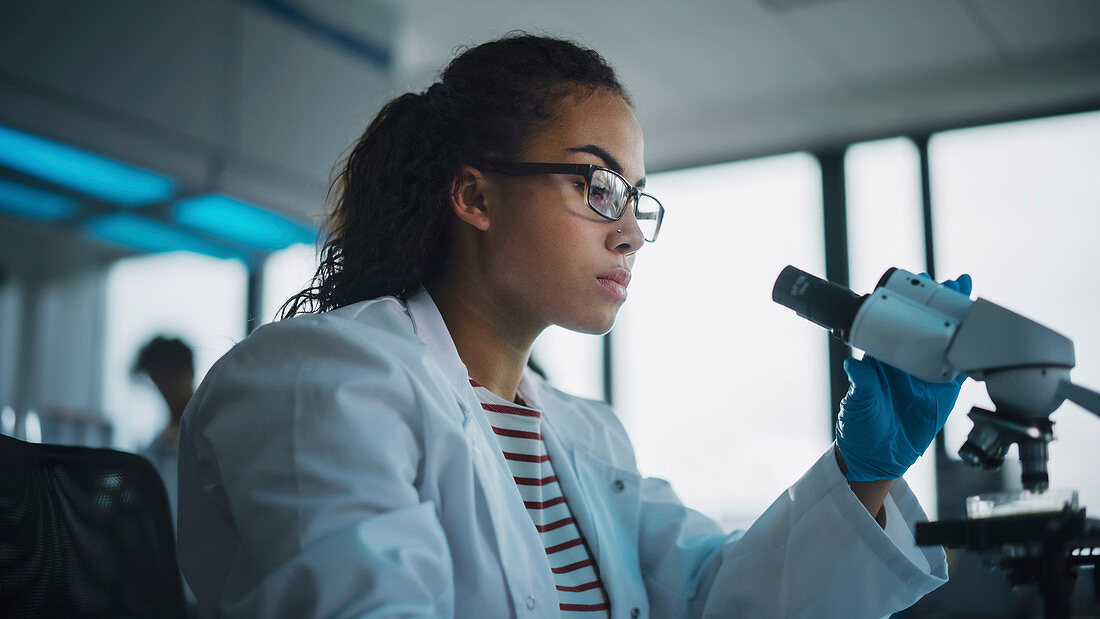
(600, 118)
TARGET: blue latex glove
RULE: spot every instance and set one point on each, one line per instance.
(889, 417)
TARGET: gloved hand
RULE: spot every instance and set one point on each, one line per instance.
(889, 417)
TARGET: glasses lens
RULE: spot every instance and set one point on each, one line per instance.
(607, 193)
(649, 216)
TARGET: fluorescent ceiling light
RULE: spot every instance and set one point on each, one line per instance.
(31, 203)
(153, 236)
(242, 223)
(81, 170)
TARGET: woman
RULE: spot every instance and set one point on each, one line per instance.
(386, 453)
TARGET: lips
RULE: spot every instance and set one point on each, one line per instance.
(619, 276)
(614, 282)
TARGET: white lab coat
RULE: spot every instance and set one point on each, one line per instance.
(339, 465)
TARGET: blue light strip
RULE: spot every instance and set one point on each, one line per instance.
(31, 203)
(153, 236)
(81, 170)
(242, 223)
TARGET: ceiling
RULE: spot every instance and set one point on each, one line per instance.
(256, 99)
(719, 80)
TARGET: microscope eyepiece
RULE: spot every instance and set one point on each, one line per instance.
(821, 302)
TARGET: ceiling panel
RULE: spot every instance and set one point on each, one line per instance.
(888, 39)
(374, 21)
(302, 101)
(1029, 28)
(162, 62)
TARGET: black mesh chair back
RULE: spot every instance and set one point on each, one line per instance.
(84, 533)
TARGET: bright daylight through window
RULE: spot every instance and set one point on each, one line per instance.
(196, 298)
(886, 229)
(725, 393)
(1016, 205)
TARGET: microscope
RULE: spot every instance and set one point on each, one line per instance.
(1037, 535)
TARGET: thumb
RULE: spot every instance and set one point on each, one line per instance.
(861, 373)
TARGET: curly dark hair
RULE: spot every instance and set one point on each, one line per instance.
(387, 231)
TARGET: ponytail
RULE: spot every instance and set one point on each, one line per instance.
(387, 232)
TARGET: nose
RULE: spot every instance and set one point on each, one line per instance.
(625, 236)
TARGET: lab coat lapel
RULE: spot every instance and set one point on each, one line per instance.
(518, 546)
(565, 468)
(604, 499)
(561, 450)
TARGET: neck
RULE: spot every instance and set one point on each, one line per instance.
(491, 341)
(175, 413)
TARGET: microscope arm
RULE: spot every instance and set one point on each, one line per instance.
(1085, 398)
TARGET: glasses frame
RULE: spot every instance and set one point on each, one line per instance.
(586, 170)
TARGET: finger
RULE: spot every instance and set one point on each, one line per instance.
(961, 285)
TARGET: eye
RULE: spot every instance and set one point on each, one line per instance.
(599, 194)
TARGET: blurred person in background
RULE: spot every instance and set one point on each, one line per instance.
(382, 450)
(169, 363)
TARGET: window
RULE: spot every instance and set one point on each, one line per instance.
(197, 298)
(573, 361)
(886, 229)
(1015, 205)
(724, 392)
(286, 273)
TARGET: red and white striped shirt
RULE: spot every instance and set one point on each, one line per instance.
(518, 432)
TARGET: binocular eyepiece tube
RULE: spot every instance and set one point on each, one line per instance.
(821, 302)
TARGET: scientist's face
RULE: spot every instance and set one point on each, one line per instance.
(554, 258)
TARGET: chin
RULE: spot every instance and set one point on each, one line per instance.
(592, 322)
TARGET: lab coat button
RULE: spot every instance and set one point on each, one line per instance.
(530, 602)
(618, 485)
(635, 612)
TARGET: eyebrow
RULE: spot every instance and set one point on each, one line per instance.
(608, 159)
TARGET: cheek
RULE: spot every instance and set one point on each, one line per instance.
(547, 248)
(543, 258)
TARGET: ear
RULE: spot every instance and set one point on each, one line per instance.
(468, 197)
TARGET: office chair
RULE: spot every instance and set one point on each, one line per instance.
(84, 533)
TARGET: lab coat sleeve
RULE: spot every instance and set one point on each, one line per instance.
(816, 552)
(299, 455)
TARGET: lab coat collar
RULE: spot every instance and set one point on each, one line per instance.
(430, 328)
